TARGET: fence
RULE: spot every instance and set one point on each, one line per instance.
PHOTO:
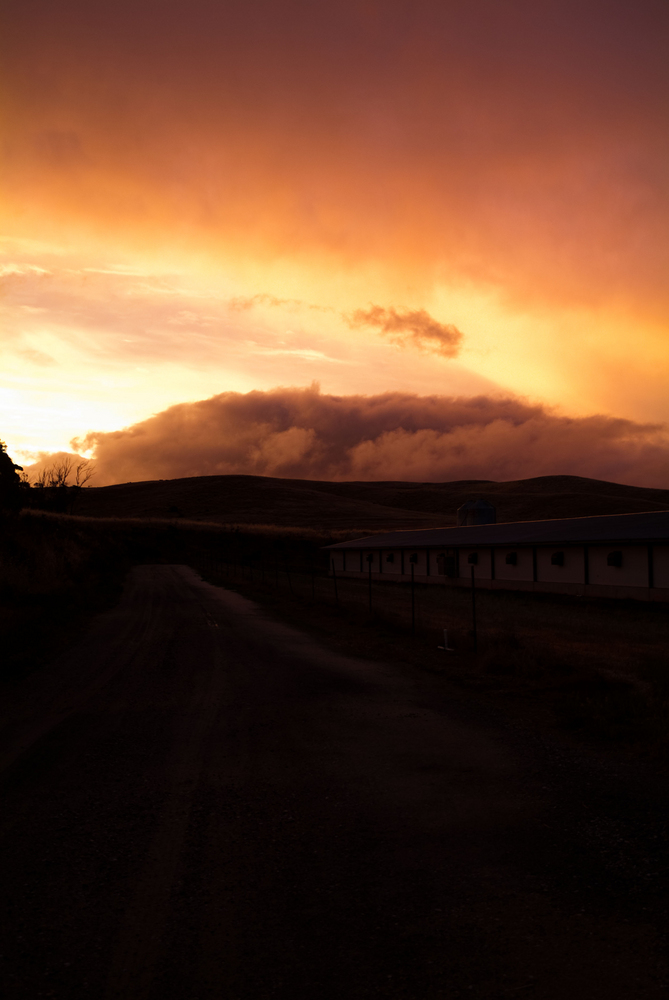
(547, 621)
(416, 607)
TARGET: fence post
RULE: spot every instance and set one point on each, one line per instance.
(474, 609)
(370, 557)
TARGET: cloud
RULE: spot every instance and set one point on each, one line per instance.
(306, 353)
(407, 328)
(414, 327)
(40, 358)
(241, 303)
(520, 144)
(303, 433)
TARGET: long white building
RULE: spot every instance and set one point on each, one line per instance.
(619, 555)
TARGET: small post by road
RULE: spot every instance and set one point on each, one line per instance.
(474, 609)
(370, 557)
(334, 578)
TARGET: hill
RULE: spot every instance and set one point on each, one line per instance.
(365, 506)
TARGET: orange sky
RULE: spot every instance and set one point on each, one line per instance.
(202, 197)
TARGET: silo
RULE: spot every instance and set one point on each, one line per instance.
(477, 512)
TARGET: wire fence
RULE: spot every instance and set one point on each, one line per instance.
(474, 618)
(413, 606)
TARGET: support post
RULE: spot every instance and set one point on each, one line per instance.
(474, 610)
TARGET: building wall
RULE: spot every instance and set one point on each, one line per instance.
(661, 565)
(628, 580)
(374, 553)
(482, 569)
(420, 567)
(632, 573)
(391, 567)
(523, 569)
(573, 570)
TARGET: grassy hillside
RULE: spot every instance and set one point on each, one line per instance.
(363, 506)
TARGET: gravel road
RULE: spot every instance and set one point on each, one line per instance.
(201, 802)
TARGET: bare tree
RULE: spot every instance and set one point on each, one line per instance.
(55, 480)
(83, 472)
(41, 480)
(60, 472)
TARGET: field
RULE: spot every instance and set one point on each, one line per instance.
(597, 668)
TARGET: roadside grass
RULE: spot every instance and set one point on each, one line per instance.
(58, 570)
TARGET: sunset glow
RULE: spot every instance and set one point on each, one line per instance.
(431, 199)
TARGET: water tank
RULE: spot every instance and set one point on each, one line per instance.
(477, 512)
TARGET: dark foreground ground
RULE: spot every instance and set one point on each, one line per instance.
(199, 802)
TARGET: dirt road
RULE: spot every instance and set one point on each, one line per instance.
(199, 802)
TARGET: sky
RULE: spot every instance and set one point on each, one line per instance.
(314, 212)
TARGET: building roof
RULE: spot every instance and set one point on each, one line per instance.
(613, 528)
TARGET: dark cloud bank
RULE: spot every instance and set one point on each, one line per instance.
(301, 433)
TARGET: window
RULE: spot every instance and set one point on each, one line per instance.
(390, 557)
(511, 559)
(614, 559)
(473, 558)
(557, 559)
(413, 558)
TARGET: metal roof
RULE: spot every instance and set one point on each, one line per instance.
(614, 528)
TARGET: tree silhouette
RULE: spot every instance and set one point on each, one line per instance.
(57, 492)
(11, 485)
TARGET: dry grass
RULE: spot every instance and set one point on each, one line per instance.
(595, 667)
(366, 506)
(56, 570)
(598, 667)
